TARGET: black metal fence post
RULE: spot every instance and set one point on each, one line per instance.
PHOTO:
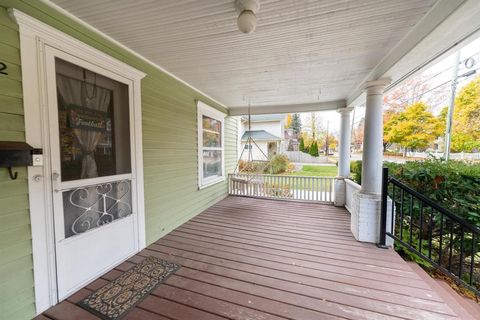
(383, 210)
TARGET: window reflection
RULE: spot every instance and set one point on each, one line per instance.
(212, 163)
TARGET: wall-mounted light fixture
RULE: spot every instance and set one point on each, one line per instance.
(247, 19)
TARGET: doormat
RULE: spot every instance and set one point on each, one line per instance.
(116, 298)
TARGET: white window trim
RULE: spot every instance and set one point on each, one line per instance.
(205, 110)
(35, 36)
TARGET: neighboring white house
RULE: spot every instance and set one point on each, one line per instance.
(267, 132)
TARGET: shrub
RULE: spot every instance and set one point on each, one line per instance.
(278, 164)
(314, 149)
(356, 170)
(291, 167)
(454, 185)
(301, 147)
(251, 166)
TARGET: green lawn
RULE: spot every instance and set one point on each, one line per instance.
(320, 171)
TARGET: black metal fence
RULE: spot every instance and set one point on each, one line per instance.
(447, 242)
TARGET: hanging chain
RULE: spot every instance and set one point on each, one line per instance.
(84, 84)
(250, 155)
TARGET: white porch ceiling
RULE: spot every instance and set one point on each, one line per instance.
(302, 52)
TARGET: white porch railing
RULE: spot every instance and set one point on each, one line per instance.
(317, 189)
(351, 187)
(453, 156)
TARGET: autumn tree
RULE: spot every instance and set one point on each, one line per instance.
(411, 91)
(307, 138)
(323, 138)
(466, 118)
(414, 128)
(288, 120)
(307, 141)
(357, 133)
(332, 142)
(387, 116)
(313, 125)
(404, 94)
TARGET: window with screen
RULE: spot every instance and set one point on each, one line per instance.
(210, 145)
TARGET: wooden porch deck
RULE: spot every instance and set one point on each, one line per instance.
(246, 258)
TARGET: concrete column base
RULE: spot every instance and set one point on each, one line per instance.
(365, 218)
(340, 192)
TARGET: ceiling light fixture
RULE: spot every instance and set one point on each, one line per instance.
(247, 19)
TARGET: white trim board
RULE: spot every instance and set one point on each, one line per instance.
(124, 47)
(204, 109)
(288, 108)
(35, 36)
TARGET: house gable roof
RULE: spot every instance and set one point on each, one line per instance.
(260, 135)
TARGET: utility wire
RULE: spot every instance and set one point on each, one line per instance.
(460, 79)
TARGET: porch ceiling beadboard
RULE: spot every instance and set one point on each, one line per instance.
(301, 52)
(169, 142)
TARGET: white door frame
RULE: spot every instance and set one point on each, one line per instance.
(34, 37)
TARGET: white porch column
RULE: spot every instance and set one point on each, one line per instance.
(372, 157)
(345, 140)
(343, 155)
(365, 218)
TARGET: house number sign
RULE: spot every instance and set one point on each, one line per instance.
(3, 68)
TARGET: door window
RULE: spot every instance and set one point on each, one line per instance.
(94, 141)
(94, 127)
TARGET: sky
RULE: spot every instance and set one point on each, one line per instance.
(324, 118)
(437, 78)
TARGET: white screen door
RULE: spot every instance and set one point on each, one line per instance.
(93, 173)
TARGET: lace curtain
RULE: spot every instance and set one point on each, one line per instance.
(78, 93)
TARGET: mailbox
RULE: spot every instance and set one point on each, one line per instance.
(16, 154)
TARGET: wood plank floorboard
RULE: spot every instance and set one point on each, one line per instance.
(246, 258)
(304, 261)
(278, 232)
(285, 263)
(284, 251)
(331, 290)
(359, 256)
(318, 283)
(327, 245)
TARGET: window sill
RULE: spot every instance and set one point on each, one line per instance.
(211, 183)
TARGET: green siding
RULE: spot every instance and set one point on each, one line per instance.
(170, 154)
(16, 276)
